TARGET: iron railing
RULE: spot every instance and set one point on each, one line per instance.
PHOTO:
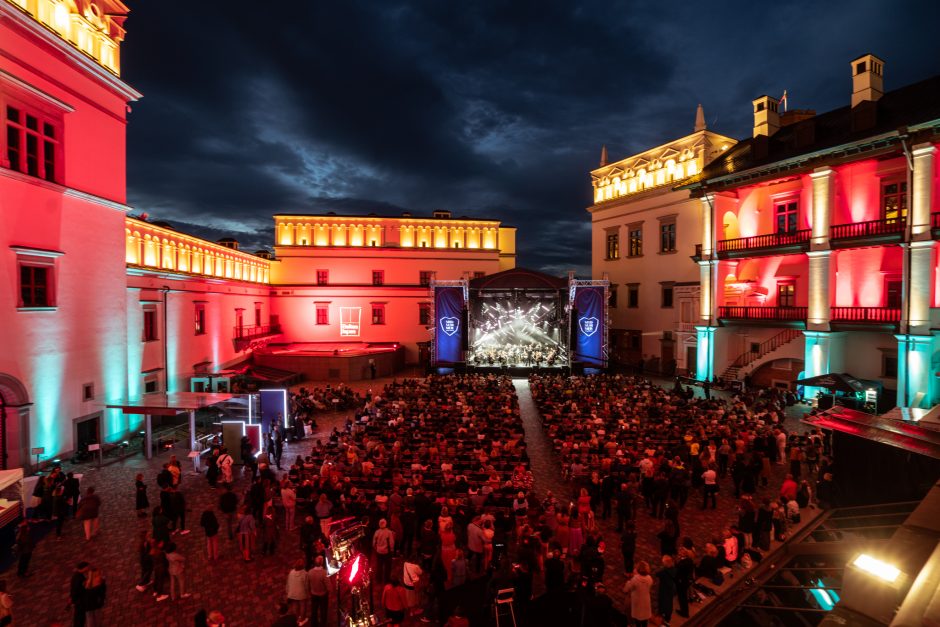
(767, 346)
(871, 228)
(865, 314)
(770, 240)
(260, 330)
(762, 313)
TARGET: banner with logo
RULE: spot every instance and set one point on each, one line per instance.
(448, 311)
(589, 308)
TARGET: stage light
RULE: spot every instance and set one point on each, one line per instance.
(876, 567)
(354, 569)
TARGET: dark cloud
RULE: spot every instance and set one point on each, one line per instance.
(490, 108)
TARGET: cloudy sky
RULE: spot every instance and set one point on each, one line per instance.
(486, 108)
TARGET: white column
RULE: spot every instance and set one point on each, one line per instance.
(921, 194)
(916, 313)
(823, 202)
(819, 289)
(705, 355)
(706, 293)
(708, 225)
(192, 429)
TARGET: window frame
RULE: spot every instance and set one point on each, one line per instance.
(635, 240)
(148, 332)
(378, 278)
(424, 314)
(45, 118)
(612, 296)
(199, 318)
(37, 258)
(667, 288)
(668, 235)
(425, 277)
(901, 195)
(789, 209)
(323, 308)
(612, 244)
(787, 288)
(378, 308)
(633, 295)
(322, 276)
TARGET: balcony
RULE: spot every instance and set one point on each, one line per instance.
(865, 316)
(762, 245)
(790, 316)
(935, 225)
(884, 231)
(242, 336)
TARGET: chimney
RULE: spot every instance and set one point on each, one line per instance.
(867, 79)
(766, 116)
(603, 155)
(699, 119)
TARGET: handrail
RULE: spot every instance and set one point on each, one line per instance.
(767, 346)
(762, 313)
(769, 240)
(865, 314)
(870, 228)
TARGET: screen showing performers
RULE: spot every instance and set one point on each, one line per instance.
(517, 331)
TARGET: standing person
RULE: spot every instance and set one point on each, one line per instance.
(161, 568)
(289, 501)
(628, 546)
(179, 509)
(6, 605)
(710, 487)
(666, 590)
(141, 503)
(95, 591)
(324, 511)
(210, 524)
(24, 548)
(77, 594)
(383, 541)
(225, 466)
(269, 531)
(160, 525)
(246, 533)
(72, 491)
(60, 508)
(318, 582)
(411, 578)
(176, 569)
(685, 569)
(88, 511)
(638, 587)
(228, 504)
(298, 589)
(394, 601)
(145, 560)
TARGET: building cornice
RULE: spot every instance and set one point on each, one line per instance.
(14, 14)
(66, 191)
(10, 79)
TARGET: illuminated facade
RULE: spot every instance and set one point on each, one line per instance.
(97, 306)
(818, 244)
(640, 227)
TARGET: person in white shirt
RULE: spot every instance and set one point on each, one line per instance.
(710, 489)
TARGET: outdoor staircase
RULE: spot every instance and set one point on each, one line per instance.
(767, 346)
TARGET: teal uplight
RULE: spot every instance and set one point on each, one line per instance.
(49, 369)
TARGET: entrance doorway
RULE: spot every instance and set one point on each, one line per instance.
(87, 431)
(691, 359)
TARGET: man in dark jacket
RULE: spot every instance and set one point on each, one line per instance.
(77, 594)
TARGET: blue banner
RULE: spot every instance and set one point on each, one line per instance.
(273, 409)
(448, 329)
(589, 309)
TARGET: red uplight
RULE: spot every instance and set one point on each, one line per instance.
(354, 570)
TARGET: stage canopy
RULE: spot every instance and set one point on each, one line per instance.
(837, 382)
(519, 278)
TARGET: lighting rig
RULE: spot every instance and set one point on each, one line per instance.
(345, 558)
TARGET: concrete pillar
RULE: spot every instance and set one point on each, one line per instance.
(148, 437)
(821, 287)
(706, 292)
(914, 370)
(917, 272)
(705, 336)
(921, 194)
(822, 355)
(192, 429)
(823, 203)
(708, 225)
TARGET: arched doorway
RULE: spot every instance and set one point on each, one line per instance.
(14, 423)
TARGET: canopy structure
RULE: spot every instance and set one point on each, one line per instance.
(899, 434)
(835, 381)
(169, 404)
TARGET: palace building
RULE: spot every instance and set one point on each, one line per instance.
(818, 243)
(641, 225)
(98, 308)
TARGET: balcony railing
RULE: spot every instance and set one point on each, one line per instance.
(763, 313)
(866, 314)
(261, 330)
(771, 240)
(871, 228)
(935, 220)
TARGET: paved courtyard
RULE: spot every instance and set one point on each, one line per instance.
(248, 593)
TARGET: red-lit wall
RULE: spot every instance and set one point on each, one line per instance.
(761, 275)
(861, 275)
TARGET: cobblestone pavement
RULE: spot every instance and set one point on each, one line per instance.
(248, 593)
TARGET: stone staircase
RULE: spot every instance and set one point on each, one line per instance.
(767, 346)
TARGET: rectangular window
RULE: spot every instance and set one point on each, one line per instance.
(889, 366)
(150, 325)
(151, 386)
(786, 294)
(636, 241)
(425, 277)
(378, 313)
(785, 216)
(378, 277)
(257, 315)
(34, 286)
(667, 237)
(88, 392)
(323, 277)
(667, 297)
(613, 245)
(478, 274)
(634, 340)
(424, 314)
(893, 293)
(32, 143)
(894, 200)
(612, 296)
(200, 319)
(323, 313)
(633, 295)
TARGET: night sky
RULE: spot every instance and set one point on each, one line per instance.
(494, 109)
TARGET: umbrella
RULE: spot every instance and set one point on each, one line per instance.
(843, 382)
